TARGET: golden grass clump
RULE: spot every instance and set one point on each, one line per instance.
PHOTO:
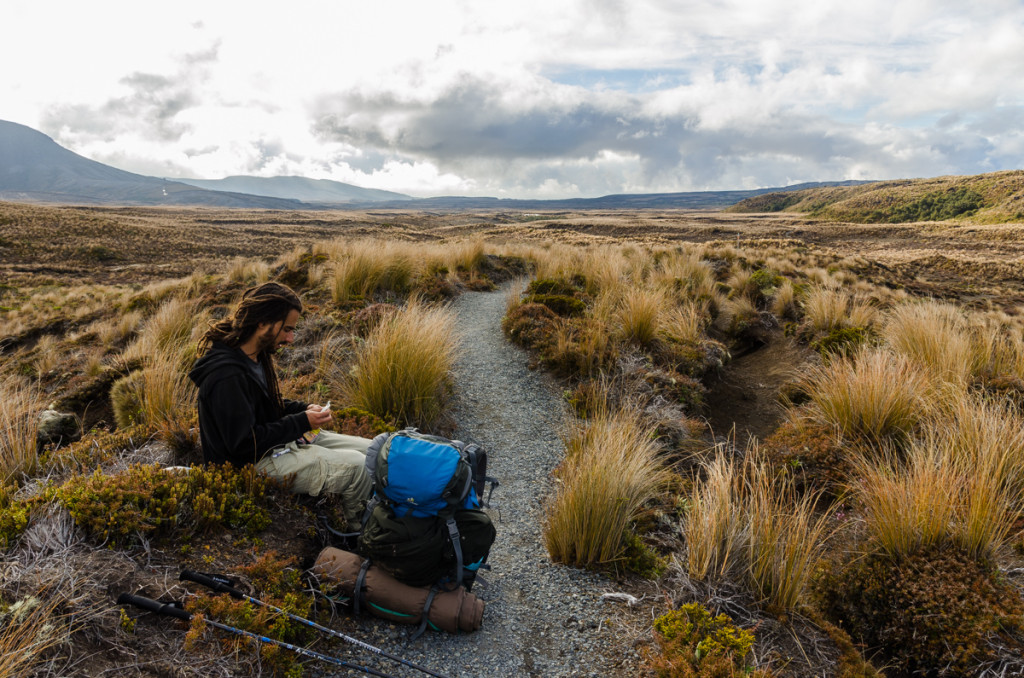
(745, 522)
(20, 404)
(825, 310)
(929, 497)
(250, 271)
(400, 372)
(362, 268)
(611, 469)
(876, 395)
(934, 336)
(713, 528)
(785, 302)
(639, 315)
(169, 330)
(683, 324)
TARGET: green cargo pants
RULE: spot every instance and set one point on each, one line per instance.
(334, 463)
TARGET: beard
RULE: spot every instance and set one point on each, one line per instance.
(267, 343)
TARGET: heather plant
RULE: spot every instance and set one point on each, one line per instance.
(611, 469)
(150, 502)
(400, 373)
(694, 643)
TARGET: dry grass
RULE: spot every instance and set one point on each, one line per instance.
(400, 372)
(876, 395)
(28, 629)
(934, 336)
(248, 271)
(20, 404)
(713, 528)
(610, 471)
(745, 522)
(825, 309)
(639, 315)
(683, 324)
(362, 268)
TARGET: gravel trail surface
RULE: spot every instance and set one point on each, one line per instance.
(541, 619)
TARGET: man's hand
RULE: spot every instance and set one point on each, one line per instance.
(318, 416)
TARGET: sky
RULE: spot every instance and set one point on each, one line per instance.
(525, 99)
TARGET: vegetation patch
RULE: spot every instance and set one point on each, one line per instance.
(935, 612)
(147, 501)
(813, 453)
(530, 325)
(694, 643)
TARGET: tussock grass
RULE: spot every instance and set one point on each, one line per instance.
(683, 324)
(876, 395)
(785, 303)
(363, 268)
(784, 537)
(639, 315)
(825, 309)
(745, 522)
(250, 271)
(400, 372)
(610, 471)
(926, 498)
(713, 528)
(20, 404)
(934, 336)
(169, 330)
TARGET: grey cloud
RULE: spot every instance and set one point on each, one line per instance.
(472, 132)
(150, 108)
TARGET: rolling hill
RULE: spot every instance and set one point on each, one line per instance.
(298, 188)
(991, 198)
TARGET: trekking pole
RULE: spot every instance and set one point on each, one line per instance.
(172, 610)
(219, 584)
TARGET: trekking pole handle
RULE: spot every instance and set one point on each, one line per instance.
(211, 583)
(154, 606)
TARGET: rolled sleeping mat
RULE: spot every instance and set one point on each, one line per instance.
(386, 597)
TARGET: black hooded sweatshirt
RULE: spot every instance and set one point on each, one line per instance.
(238, 420)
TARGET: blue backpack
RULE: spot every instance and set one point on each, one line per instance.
(425, 487)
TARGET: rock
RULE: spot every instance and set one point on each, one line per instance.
(58, 428)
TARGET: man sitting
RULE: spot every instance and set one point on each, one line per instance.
(244, 420)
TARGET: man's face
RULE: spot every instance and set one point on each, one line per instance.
(274, 336)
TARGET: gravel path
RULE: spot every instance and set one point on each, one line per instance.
(541, 619)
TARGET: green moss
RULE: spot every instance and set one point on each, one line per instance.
(840, 341)
(641, 558)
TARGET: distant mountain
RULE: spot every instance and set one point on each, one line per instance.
(297, 188)
(694, 200)
(34, 168)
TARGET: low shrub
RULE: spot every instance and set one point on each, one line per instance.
(562, 305)
(579, 349)
(277, 582)
(694, 643)
(935, 612)
(14, 517)
(677, 388)
(840, 341)
(812, 453)
(530, 325)
(641, 559)
(352, 421)
(153, 502)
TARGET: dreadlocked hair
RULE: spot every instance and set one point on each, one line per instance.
(268, 303)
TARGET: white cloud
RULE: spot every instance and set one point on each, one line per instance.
(526, 99)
